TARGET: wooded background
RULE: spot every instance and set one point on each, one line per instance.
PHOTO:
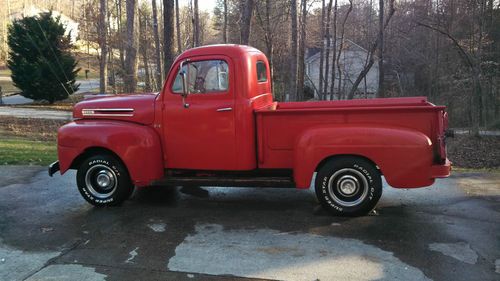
(447, 50)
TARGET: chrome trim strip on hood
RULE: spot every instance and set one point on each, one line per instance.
(115, 112)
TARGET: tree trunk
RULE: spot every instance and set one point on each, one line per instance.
(334, 51)
(196, 25)
(168, 34)
(103, 59)
(143, 47)
(327, 56)
(268, 33)
(269, 39)
(302, 51)
(156, 35)
(224, 27)
(178, 27)
(321, 50)
(130, 79)
(246, 18)
(293, 53)
(121, 44)
(381, 90)
(339, 53)
(371, 52)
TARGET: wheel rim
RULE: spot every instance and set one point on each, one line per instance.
(348, 187)
(101, 181)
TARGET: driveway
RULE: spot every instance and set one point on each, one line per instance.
(449, 231)
(88, 85)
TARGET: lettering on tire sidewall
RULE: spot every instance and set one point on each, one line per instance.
(340, 208)
(87, 193)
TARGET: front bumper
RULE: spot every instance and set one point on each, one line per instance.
(54, 168)
(441, 171)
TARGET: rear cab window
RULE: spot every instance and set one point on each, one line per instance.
(261, 72)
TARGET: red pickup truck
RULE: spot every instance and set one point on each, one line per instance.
(215, 124)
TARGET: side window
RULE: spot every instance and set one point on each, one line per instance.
(261, 72)
(210, 76)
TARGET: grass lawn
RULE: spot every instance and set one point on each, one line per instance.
(16, 151)
(8, 87)
(25, 141)
(4, 71)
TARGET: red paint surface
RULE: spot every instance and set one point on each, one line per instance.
(404, 137)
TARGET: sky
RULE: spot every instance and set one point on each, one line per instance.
(205, 5)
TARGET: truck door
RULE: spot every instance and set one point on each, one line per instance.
(199, 133)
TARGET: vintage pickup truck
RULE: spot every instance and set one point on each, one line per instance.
(215, 124)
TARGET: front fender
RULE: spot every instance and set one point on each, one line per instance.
(138, 146)
(403, 155)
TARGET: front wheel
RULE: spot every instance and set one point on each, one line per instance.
(104, 181)
(348, 186)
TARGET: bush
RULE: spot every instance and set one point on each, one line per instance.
(40, 60)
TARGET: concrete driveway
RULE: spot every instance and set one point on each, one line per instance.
(449, 231)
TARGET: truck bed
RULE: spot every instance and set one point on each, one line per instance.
(280, 124)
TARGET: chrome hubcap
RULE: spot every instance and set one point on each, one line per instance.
(348, 187)
(104, 179)
(101, 181)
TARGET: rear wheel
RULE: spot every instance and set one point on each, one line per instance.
(103, 180)
(348, 186)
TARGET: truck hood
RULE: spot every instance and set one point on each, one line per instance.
(132, 108)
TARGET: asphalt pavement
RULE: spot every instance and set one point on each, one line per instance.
(88, 85)
(449, 231)
(21, 112)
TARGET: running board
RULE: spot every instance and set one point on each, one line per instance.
(227, 181)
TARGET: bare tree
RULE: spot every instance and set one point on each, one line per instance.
(156, 35)
(103, 58)
(143, 48)
(178, 27)
(293, 53)
(196, 25)
(121, 47)
(334, 50)
(371, 52)
(475, 72)
(224, 26)
(302, 51)
(327, 56)
(246, 18)
(130, 78)
(168, 34)
(265, 23)
(381, 91)
(340, 49)
(322, 49)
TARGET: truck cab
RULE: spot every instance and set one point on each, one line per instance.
(215, 123)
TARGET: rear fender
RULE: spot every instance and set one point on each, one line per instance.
(404, 156)
(138, 146)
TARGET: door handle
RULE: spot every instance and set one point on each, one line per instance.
(224, 109)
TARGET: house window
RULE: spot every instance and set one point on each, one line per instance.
(210, 76)
(261, 72)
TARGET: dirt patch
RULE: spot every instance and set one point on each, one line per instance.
(30, 128)
(468, 151)
(480, 184)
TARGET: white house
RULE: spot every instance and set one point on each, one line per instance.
(351, 62)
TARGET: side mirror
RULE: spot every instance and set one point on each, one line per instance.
(185, 87)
